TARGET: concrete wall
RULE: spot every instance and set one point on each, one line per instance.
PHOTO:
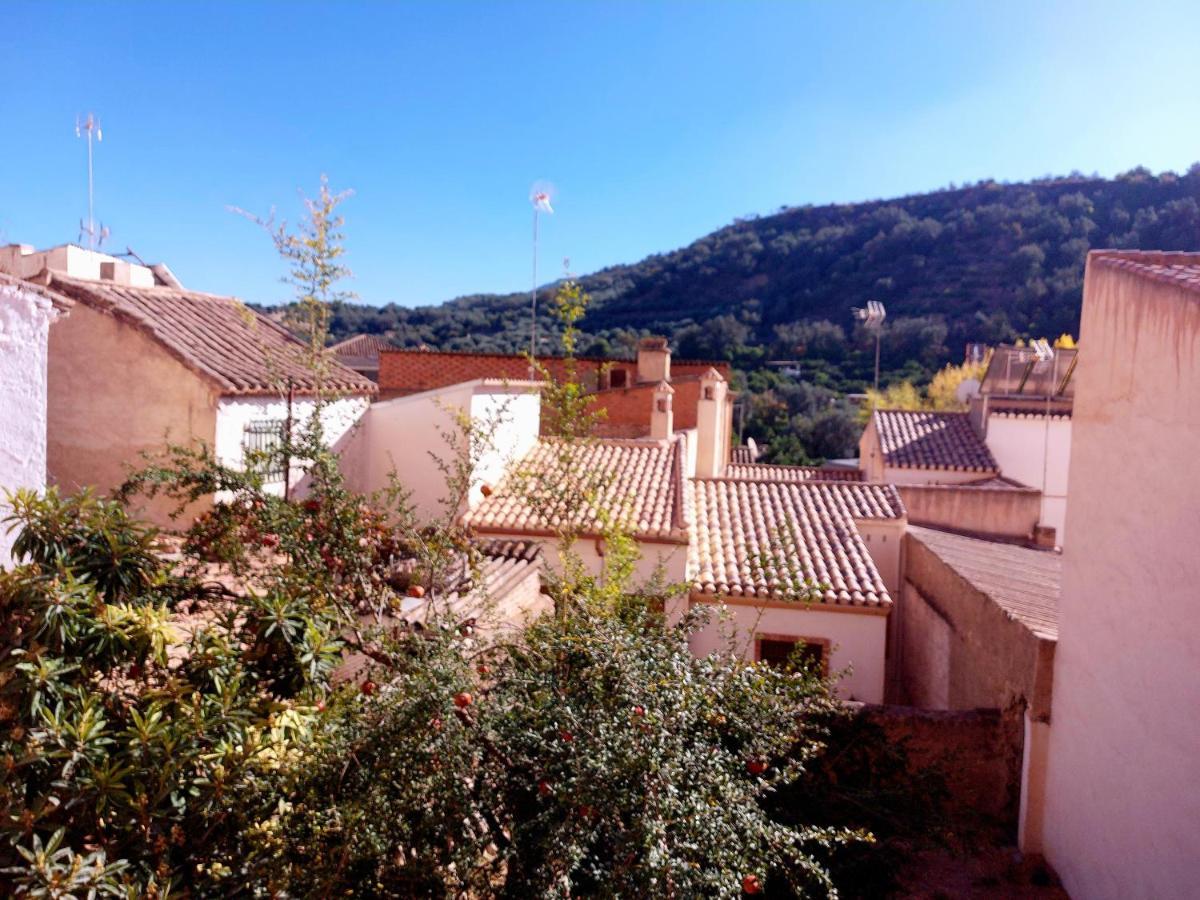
(1122, 796)
(115, 393)
(71, 259)
(893, 475)
(404, 435)
(960, 649)
(857, 639)
(1019, 442)
(25, 319)
(885, 540)
(979, 510)
(338, 417)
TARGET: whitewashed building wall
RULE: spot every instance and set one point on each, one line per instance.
(25, 319)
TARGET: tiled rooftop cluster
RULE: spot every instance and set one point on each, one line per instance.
(639, 483)
(755, 538)
(237, 349)
(932, 440)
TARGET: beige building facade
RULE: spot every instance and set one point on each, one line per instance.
(1122, 798)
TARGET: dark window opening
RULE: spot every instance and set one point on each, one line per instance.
(262, 443)
(792, 655)
(618, 378)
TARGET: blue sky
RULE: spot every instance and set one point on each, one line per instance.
(657, 122)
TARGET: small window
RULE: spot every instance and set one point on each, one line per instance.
(792, 654)
(708, 393)
(618, 378)
(262, 441)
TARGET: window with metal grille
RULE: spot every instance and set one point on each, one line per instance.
(262, 440)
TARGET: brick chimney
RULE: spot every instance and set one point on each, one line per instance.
(712, 426)
(662, 416)
(653, 360)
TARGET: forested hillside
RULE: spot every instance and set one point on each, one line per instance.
(987, 262)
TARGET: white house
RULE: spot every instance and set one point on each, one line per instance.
(142, 363)
(1023, 412)
(26, 314)
(729, 538)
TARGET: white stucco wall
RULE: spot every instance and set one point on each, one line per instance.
(405, 435)
(338, 417)
(857, 640)
(1122, 802)
(1020, 443)
(25, 319)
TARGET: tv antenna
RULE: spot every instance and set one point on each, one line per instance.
(872, 317)
(89, 126)
(540, 196)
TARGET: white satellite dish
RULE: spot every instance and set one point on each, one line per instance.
(966, 389)
(753, 446)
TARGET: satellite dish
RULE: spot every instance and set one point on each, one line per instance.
(753, 446)
(966, 389)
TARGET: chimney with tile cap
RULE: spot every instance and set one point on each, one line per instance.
(662, 416)
(712, 426)
(653, 360)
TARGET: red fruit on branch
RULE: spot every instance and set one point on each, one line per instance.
(320, 706)
(756, 766)
(269, 540)
(483, 669)
(544, 788)
(639, 711)
(415, 590)
(751, 885)
(368, 687)
(462, 700)
(486, 490)
(565, 735)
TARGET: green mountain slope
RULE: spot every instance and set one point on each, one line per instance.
(988, 262)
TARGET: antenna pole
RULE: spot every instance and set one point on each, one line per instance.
(91, 125)
(533, 291)
(91, 197)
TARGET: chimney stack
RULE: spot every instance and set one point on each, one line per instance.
(713, 424)
(662, 414)
(653, 360)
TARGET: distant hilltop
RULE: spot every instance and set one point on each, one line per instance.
(985, 262)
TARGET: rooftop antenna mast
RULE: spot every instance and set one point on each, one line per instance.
(872, 317)
(89, 125)
(540, 196)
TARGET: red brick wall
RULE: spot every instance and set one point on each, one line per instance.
(412, 371)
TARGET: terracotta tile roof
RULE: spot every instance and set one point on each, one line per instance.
(1181, 270)
(237, 349)
(361, 346)
(931, 440)
(1025, 583)
(501, 566)
(740, 546)
(60, 302)
(767, 472)
(640, 484)
(742, 454)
